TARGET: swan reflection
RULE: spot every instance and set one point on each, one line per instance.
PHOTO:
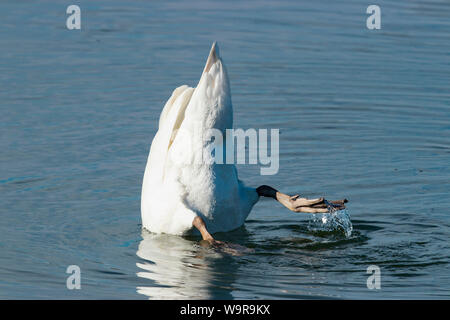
(181, 269)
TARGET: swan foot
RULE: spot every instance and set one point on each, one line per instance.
(226, 247)
(209, 241)
(298, 204)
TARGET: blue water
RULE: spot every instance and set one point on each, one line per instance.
(363, 114)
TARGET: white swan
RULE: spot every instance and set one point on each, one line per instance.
(181, 189)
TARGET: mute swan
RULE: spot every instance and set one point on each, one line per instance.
(179, 192)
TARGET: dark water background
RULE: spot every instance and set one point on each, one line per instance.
(362, 114)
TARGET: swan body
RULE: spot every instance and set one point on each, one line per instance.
(180, 180)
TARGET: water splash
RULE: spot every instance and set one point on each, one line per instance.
(332, 221)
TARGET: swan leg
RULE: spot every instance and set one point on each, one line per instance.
(225, 247)
(201, 226)
(298, 204)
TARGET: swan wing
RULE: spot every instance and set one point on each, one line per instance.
(168, 106)
(170, 120)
